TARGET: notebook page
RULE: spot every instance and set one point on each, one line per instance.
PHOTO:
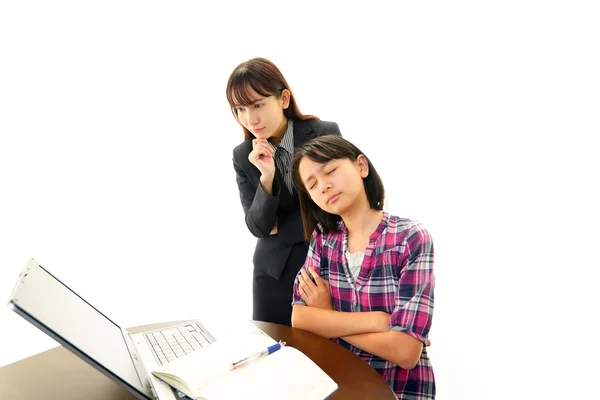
(202, 367)
(285, 374)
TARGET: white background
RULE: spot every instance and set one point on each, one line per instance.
(116, 173)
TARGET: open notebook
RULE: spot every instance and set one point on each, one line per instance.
(286, 374)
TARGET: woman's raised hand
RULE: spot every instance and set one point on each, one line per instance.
(262, 157)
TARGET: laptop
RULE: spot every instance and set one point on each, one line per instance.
(49, 304)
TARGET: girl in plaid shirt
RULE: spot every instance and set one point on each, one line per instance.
(367, 281)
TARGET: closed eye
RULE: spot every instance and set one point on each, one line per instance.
(328, 173)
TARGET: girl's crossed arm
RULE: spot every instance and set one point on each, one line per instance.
(312, 308)
(410, 321)
(313, 311)
(369, 331)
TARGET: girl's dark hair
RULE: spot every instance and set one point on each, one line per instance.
(262, 76)
(323, 149)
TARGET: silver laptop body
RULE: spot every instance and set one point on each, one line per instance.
(50, 305)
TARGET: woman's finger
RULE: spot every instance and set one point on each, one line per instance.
(261, 151)
(263, 148)
(258, 141)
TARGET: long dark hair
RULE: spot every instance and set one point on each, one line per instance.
(323, 149)
(262, 76)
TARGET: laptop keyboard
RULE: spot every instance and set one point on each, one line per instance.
(174, 342)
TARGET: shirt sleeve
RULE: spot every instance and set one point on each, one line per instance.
(413, 311)
(260, 208)
(313, 259)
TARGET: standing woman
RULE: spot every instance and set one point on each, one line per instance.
(264, 105)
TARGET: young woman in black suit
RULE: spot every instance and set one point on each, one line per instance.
(264, 105)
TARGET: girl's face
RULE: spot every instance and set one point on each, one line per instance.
(337, 186)
(264, 117)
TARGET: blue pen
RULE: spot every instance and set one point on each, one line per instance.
(257, 355)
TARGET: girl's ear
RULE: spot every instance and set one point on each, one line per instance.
(285, 98)
(363, 165)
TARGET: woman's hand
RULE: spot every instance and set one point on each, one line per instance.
(317, 293)
(261, 157)
(274, 229)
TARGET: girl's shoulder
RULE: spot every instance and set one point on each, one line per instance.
(405, 226)
(401, 223)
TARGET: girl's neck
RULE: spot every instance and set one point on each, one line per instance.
(363, 221)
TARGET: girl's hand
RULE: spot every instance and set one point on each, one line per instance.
(262, 157)
(317, 293)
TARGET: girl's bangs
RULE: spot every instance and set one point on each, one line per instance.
(319, 156)
(326, 152)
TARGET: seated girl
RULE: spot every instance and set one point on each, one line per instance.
(367, 281)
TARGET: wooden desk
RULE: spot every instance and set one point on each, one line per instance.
(58, 374)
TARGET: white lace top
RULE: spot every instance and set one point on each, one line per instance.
(354, 262)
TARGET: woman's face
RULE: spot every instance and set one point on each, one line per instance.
(264, 117)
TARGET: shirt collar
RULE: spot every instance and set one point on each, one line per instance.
(380, 228)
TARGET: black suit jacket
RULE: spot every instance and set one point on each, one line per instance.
(272, 251)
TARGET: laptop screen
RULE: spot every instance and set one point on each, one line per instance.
(58, 309)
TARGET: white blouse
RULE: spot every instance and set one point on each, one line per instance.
(355, 261)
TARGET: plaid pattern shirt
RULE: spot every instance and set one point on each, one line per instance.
(396, 277)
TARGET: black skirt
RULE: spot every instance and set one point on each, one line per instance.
(272, 298)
